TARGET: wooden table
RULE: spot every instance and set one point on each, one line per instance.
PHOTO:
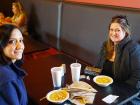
(39, 81)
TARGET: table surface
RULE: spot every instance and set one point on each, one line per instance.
(39, 81)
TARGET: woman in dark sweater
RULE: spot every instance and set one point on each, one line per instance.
(120, 55)
(12, 89)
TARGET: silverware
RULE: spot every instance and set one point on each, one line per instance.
(42, 98)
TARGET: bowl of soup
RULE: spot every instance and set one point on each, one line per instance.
(103, 80)
(57, 96)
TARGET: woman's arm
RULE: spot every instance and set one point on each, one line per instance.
(9, 94)
(134, 80)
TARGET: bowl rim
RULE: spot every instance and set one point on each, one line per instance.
(103, 84)
(59, 102)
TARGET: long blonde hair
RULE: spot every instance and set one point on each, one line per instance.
(19, 6)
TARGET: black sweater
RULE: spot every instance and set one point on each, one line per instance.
(126, 66)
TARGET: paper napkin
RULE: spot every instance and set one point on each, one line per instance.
(110, 98)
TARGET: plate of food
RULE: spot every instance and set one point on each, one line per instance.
(57, 96)
(103, 80)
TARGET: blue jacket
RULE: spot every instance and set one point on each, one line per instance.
(126, 65)
(12, 89)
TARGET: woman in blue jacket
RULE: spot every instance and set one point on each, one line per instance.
(120, 55)
(12, 89)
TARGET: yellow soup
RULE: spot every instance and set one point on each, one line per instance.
(103, 80)
(58, 95)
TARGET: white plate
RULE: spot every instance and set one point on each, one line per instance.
(103, 80)
(57, 96)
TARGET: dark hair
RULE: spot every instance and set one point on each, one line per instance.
(5, 33)
(122, 20)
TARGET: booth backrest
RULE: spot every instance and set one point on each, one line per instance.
(83, 28)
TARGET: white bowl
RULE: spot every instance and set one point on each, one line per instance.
(103, 80)
(57, 96)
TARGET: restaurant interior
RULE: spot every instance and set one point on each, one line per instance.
(75, 28)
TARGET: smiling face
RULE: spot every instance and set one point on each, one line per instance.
(116, 33)
(15, 46)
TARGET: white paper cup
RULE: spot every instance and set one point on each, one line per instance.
(56, 76)
(75, 71)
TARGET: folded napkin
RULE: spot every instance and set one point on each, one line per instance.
(82, 98)
(81, 85)
(110, 98)
(81, 93)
